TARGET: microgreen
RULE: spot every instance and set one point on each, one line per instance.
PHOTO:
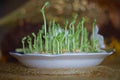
(57, 40)
(23, 43)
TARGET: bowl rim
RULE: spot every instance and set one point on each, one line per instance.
(65, 54)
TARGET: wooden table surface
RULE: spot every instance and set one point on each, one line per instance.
(16, 71)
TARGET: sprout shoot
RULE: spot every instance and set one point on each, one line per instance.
(72, 37)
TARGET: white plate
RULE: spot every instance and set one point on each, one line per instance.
(67, 60)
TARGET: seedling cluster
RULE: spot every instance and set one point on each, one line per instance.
(56, 40)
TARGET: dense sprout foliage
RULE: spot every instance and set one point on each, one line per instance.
(56, 40)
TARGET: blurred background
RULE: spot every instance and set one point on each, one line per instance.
(21, 17)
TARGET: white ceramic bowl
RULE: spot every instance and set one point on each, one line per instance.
(68, 60)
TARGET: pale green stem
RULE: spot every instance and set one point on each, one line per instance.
(58, 50)
(35, 42)
(29, 40)
(23, 43)
(81, 48)
(41, 47)
(44, 18)
(93, 37)
(53, 46)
